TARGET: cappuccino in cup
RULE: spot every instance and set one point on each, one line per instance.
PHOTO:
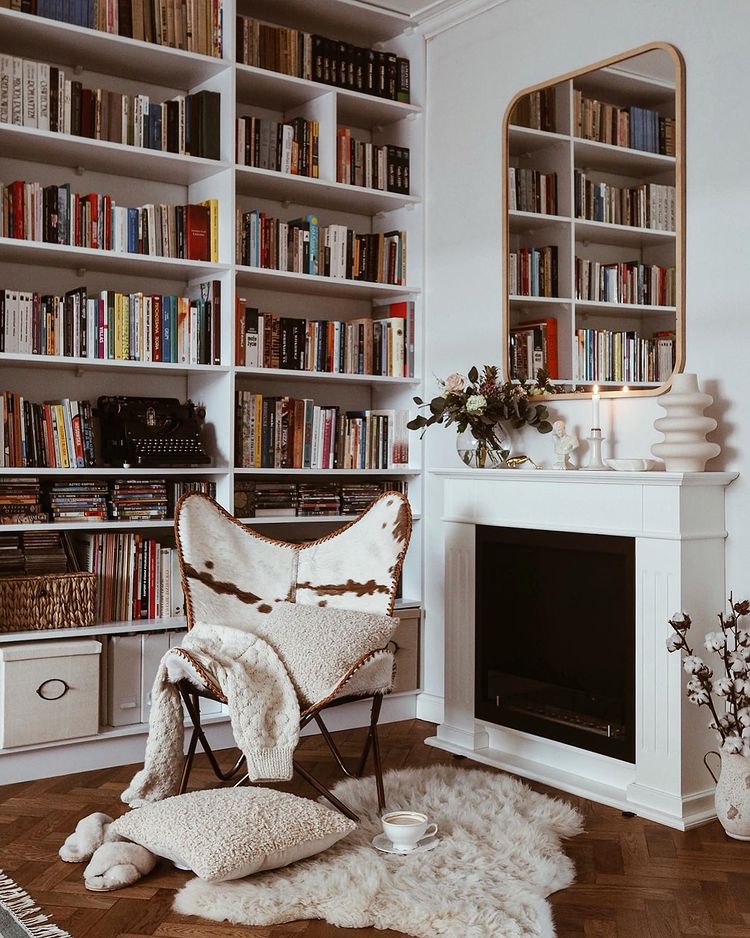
(405, 829)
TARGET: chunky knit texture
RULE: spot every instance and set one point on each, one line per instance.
(227, 833)
(263, 710)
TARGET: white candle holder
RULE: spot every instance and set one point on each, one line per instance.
(595, 451)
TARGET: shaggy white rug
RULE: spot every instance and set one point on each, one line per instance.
(499, 857)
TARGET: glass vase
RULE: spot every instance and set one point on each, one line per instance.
(484, 453)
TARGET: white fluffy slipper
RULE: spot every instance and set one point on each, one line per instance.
(115, 865)
(91, 832)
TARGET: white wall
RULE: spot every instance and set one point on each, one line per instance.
(473, 69)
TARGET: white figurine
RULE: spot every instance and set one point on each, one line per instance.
(564, 444)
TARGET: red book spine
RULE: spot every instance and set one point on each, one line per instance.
(152, 579)
(197, 227)
(16, 196)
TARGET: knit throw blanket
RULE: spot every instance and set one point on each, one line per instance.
(263, 710)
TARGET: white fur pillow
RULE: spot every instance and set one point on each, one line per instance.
(228, 833)
(318, 644)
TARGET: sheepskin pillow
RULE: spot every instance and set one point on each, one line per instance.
(228, 833)
(318, 644)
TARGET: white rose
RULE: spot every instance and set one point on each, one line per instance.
(476, 404)
(454, 383)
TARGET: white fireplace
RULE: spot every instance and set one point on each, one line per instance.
(677, 523)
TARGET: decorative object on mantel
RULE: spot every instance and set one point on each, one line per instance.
(684, 447)
(732, 645)
(595, 440)
(563, 445)
(20, 916)
(484, 410)
(631, 465)
(499, 856)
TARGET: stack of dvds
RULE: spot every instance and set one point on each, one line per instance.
(175, 491)
(78, 500)
(138, 500)
(275, 498)
(356, 496)
(318, 498)
(244, 498)
(11, 555)
(46, 552)
(20, 501)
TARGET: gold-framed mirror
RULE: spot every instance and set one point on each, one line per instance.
(594, 226)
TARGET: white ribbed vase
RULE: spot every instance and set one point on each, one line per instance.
(733, 796)
(684, 447)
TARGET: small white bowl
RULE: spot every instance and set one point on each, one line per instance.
(631, 465)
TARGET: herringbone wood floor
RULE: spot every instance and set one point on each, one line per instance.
(635, 879)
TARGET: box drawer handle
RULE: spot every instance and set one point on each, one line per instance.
(50, 694)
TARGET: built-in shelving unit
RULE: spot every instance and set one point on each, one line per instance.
(637, 82)
(138, 175)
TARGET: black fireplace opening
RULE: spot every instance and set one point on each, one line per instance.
(555, 636)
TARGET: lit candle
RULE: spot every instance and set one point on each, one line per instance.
(595, 408)
(625, 389)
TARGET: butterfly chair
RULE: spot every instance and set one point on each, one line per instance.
(233, 575)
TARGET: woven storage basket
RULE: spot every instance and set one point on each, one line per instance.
(47, 601)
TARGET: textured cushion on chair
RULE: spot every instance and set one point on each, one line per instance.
(228, 833)
(318, 645)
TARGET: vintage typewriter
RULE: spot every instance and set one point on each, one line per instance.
(151, 431)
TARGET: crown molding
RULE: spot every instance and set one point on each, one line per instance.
(442, 15)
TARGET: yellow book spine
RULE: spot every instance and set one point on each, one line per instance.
(213, 228)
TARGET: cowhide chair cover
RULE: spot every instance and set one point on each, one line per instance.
(234, 576)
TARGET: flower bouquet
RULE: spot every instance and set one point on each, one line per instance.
(484, 406)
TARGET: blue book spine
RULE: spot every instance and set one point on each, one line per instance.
(132, 230)
(314, 241)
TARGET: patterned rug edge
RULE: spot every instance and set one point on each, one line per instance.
(20, 917)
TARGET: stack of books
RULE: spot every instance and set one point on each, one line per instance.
(47, 552)
(635, 127)
(532, 191)
(244, 498)
(290, 147)
(57, 215)
(20, 501)
(535, 110)
(360, 163)
(275, 498)
(303, 246)
(533, 345)
(533, 271)
(46, 100)
(624, 357)
(11, 555)
(58, 434)
(356, 496)
(625, 283)
(78, 500)
(644, 206)
(137, 577)
(318, 58)
(381, 345)
(138, 500)
(284, 432)
(318, 498)
(196, 26)
(175, 491)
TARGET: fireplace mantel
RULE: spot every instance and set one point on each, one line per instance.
(677, 521)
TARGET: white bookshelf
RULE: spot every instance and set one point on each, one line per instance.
(563, 152)
(103, 60)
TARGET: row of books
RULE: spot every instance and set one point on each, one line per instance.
(36, 552)
(635, 127)
(533, 271)
(533, 345)
(624, 357)
(535, 110)
(26, 501)
(57, 215)
(192, 25)
(381, 345)
(532, 191)
(308, 499)
(58, 434)
(360, 163)
(625, 282)
(645, 206)
(304, 246)
(289, 433)
(36, 94)
(290, 147)
(113, 325)
(137, 577)
(318, 58)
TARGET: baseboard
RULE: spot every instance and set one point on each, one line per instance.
(430, 708)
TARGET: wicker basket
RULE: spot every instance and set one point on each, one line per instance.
(47, 601)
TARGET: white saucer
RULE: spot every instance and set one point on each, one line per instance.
(382, 843)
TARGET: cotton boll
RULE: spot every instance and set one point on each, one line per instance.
(732, 745)
(723, 687)
(715, 641)
(693, 664)
(681, 621)
(674, 642)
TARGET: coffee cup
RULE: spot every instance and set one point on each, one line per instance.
(405, 829)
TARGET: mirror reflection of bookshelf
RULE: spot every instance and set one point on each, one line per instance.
(593, 220)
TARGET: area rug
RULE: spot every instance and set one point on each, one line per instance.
(499, 856)
(20, 917)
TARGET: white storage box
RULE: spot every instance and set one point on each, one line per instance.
(48, 690)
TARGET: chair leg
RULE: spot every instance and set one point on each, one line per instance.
(322, 790)
(190, 755)
(193, 708)
(325, 732)
(377, 702)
